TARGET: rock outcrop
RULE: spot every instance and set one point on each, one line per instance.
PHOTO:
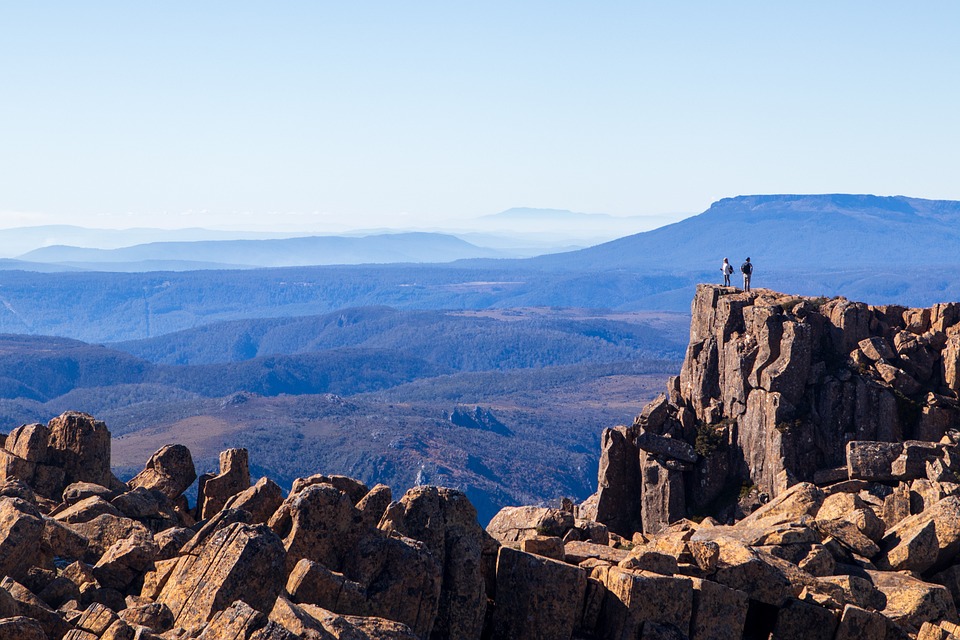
(799, 479)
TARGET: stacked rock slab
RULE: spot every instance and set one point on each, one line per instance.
(73, 447)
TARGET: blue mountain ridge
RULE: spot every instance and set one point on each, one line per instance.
(807, 232)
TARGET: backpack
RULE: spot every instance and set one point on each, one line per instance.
(746, 268)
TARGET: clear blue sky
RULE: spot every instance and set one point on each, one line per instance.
(312, 113)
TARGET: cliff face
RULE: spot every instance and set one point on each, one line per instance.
(772, 389)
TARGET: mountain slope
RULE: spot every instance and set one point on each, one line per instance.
(806, 232)
(460, 340)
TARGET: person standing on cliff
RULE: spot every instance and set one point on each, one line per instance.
(727, 270)
(747, 270)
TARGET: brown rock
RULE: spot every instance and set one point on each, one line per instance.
(719, 613)
(353, 488)
(877, 348)
(21, 628)
(859, 624)
(666, 446)
(146, 505)
(744, 569)
(374, 504)
(847, 534)
(654, 414)
(536, 597)
(154, 616)
(223, 519)
(872, 461)
(638, 598)
(21, 528)
(86, 510)
(546, 546)
(908, 545)
(170, 471)
(308, 621)
(170, 541)
(96, 619)
(618, 483)
(324, 527)
(950, 367)
(819, 562)
(858, 591)
(648, 559)
(125, 561)
(896, 506)
(79, 573)
(260, 500)
(234, 477)
(911, 602)
(577, 552)
(950, 578)
(706, 554)
(156, 579)
(79, 444)
(513, 524)
(312, 583)
(662, 494)
(798, 620)
(105, 530)
(850, 507)
(401, 579)
(31, 606)
(236, 622)
(794, 505)
(81, 490)
(240, 562)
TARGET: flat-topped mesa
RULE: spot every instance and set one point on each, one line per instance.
(772, 389)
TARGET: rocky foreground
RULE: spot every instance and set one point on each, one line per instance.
(798, 481)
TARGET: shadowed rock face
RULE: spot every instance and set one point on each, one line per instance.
(772, 390)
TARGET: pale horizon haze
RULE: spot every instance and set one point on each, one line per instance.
(330, 116)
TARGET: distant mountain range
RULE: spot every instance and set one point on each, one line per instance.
(285, 252)
(876, 249)
(514, 233)
(818, 232)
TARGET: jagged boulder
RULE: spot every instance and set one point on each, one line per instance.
(636, 599)
(21, 529)
(514, 524)
(446, 522)
(924, 540)
(353, 488)
(170, 471)
(239, 562)
(213, 492)
(398, 577)
(260, 501)
(538, 598)
(73, 447)
(618, 485)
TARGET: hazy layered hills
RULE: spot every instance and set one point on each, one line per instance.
(280, 252)
(309, 394)
(461, 341)
(804, 232)
(879, 250)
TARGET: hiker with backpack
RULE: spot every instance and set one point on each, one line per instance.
(727, 269)
(747, 270)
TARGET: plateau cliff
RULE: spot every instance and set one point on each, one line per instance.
(778, 389)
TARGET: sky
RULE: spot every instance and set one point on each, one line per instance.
(320, 115)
